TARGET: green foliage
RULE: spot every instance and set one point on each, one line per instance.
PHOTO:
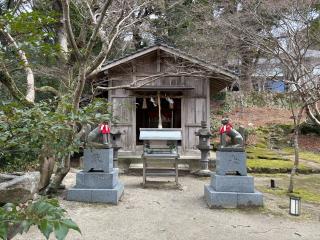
(232, 100)
(32, 30)
(220, 95)
(46, 214)
(215, 124)
(25, 132)
(175, 22)
(285, 128)
(309, 127)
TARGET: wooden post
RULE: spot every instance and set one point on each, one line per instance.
(144, 171)
(159, 107)
(176, 170)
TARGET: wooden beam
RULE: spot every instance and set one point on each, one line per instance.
(159, 107)
(158, 61)
(229, 76)
(155, 96)
(208, 102)
(201, 63)
(129, 58)
(134, 71)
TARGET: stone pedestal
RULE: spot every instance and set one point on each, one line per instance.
(232, 191)
(228, 162)
(98, 160)
(98, 182)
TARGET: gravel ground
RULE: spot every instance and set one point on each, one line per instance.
(161, 211)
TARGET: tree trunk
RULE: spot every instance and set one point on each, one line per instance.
(80, 86)
(62, 170)
(296, 158)
(136, 37)
(30, 96)
(296, 120)
(61, 35)
(246, 67)
(7, 80)
(46, 170)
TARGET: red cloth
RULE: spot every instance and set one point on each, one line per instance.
(226, 128)
(104, 128)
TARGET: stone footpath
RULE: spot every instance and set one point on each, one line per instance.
(161, 211)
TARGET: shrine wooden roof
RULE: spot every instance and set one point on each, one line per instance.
(228, 74)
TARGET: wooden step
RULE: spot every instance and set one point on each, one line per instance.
(137, 167)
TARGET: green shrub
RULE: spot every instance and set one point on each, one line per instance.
(307, 128)
(286, 128)
(24, 131)
(220, 95)
(46, 214)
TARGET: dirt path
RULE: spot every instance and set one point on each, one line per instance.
(164, 212)
(309, 163)
(313, 165)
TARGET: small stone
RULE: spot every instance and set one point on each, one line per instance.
(298, 234)
(18, 188)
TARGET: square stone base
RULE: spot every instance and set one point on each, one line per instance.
(216, 199)
(229, 183)
(97, 180)
(98, 159)
(230, 162)
(112, 195)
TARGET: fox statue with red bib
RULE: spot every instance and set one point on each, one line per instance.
(228, 130)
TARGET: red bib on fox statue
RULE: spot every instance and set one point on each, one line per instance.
(105, 131)
(104, 128)
(226, 128)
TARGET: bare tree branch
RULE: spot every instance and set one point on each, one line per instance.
(66, 18)
(48, 89)
(116, 30)
(97, 26)
(7, 80)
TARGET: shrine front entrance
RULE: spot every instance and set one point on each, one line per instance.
(147, 113)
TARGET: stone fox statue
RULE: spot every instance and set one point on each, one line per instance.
(227, 130)
(96, 138)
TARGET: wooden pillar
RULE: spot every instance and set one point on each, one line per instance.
(158, 61)
(159, 107)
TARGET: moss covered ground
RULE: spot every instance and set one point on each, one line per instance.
(264, 160)
(274, 166)
(303, 154)
(305, 186)
(270, 152)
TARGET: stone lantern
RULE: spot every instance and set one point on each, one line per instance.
(204, 146)
(115, 142)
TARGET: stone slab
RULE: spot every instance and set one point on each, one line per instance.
(96, 195)
(250, 199)
(227, 162)
(232, 183)
(219, 199)
(108, 196)
(18, 188)
(97, 180)
(216, 199)
(98, 159)
(230, 149)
